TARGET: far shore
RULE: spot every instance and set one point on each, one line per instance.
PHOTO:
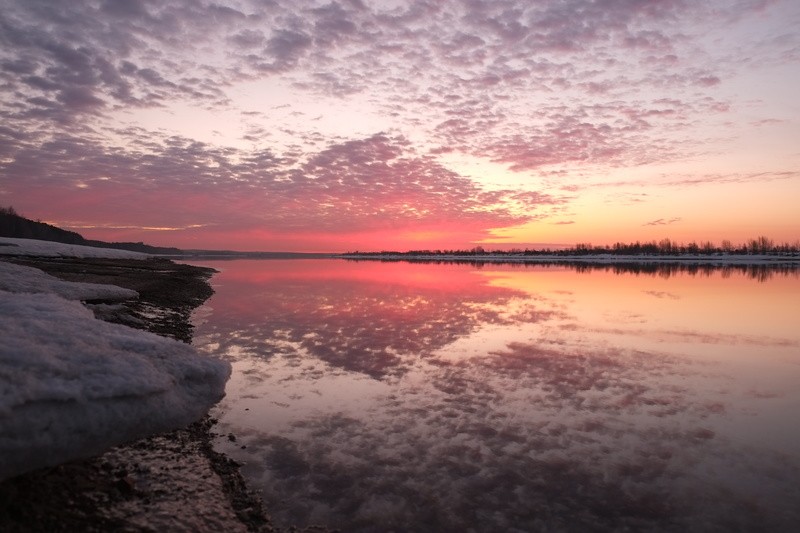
(510, 257)
(610, 259)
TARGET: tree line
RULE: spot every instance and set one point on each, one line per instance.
(14, 225)
(754, 246)
(664, 247)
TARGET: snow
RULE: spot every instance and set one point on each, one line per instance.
(20, 279)
(72, 386)
(31, 247)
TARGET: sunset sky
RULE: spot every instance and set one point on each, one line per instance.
(387, 124)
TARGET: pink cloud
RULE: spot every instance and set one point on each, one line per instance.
(376, 187)
(525, 84)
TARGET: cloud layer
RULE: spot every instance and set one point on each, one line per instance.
(528, 86)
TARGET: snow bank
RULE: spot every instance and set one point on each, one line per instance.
(31, 247)
(72, 386)
(20, 279)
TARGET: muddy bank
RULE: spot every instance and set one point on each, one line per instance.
(169, 482)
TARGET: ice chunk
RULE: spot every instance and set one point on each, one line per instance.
(72, 386)
(17, 278)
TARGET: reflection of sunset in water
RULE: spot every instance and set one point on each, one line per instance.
(425, 397)
(355, 317)
(708, 302)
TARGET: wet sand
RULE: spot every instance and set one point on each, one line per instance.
(169, 482)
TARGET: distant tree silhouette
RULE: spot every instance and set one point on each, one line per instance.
(760, 245)
(16, 226)
(664, 247)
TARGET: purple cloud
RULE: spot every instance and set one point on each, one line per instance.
(531, 86)
(662, 222)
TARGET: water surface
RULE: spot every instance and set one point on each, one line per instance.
(377, 396)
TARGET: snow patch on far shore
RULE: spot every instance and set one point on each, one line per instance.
(72, 386)
(32, 247)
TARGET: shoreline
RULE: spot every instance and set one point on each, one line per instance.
(589, 259)
(174, 481)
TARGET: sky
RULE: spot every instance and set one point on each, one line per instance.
(392, 125)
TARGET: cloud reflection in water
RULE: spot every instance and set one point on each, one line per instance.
(373, 327)
(442, 398)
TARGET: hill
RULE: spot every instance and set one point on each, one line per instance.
(14, 225)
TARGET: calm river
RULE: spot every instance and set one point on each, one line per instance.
(376, 396)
